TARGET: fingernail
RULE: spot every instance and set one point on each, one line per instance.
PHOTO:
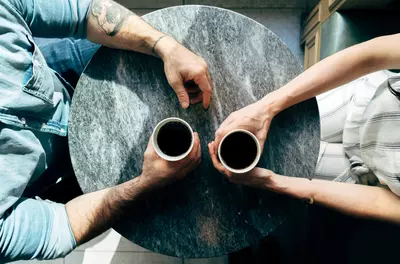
(185, 105)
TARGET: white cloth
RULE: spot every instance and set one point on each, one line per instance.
(360, 139)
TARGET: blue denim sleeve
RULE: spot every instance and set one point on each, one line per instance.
(35, 229)
(54, 18)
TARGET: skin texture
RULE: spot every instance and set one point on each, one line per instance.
(349, 64)
(114, 26)
(92, 214)
(110, 16)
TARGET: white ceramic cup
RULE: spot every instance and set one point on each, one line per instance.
(155, 139)
(256, 160)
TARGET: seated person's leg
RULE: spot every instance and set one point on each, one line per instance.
(68, 56)
(332, 161)
(333, 108)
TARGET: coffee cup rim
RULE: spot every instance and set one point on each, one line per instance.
(157, 130)
(256, 160)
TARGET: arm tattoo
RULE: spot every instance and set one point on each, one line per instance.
(110, 15)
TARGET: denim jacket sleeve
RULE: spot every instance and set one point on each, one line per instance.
(54, 18)
(29, 228)
(35, 229)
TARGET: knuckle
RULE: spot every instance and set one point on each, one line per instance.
(202, 69)
(220, 132)
(173, 82)
(181, 95)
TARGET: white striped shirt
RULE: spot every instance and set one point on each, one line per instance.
(361, 132)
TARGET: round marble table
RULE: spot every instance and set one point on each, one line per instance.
(122, 95)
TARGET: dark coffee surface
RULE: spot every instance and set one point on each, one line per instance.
(174, 139)
(122, 96)
(239, 150)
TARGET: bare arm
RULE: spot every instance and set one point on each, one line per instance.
(357, 200)
(342, 67)
(338, 69)
(345, 66)
(91, 214)
(112, 25)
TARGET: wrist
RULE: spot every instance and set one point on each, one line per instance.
(298, 188)
(164, 46)
(134, 188)
(273, 103)
(145, 183)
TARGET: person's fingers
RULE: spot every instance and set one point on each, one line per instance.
(220, 134)
(214, 158)
(193, 160)
(258, 172)
(192, 89)
(196, 145)
(198, 155)
(209, 79)
(205, 86)
(196, 99)
(262, 140)
(150, 147)
(225, 126)
(262, 136)
(149, 144)
(150, 153)
(197, 161)
(181, 92)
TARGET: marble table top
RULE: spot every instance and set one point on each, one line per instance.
(122, 96)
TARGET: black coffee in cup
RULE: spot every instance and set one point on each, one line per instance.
(174, 139)
(239, 150)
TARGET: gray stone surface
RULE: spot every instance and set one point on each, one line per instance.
(285, 23)
(123, 95)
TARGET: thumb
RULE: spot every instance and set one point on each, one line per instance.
(181, 93)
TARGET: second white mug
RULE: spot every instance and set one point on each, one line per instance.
(239, 151)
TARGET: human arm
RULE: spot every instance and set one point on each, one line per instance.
(107, 23)
(91, 214)
(36, 229)
(361, 201)
(114, 26)
(356, 200)
(336, 70)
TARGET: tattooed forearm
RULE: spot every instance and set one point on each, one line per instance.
(110, 15)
